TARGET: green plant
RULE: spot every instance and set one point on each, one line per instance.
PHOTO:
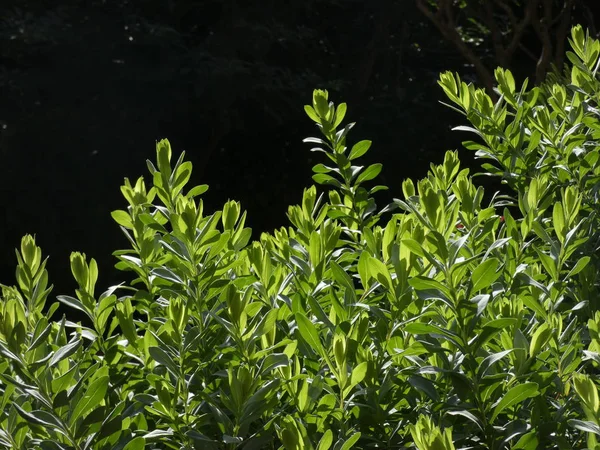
(454, 325)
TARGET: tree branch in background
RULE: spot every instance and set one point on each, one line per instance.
(506, 29)
(518, 28)
(444, 21)
(541, 26)
(590, 20)
(562, 30)
(497, 40)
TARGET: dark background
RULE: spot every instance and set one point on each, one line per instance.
(88, 87)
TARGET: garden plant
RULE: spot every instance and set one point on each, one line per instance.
(437, 322)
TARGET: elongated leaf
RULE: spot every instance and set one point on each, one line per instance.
(490, 360)
(74, 303)
(363, 269)
(66, 351)
(358, 373)
(485, 274)
(514, 396)
(370, 172)
(322, 178)
(326, 441)
(528, 441)
(380, 272)
(197, 190)
(424, 385)
(350, 441)
(468, 415)
(499, 243)
(41, 338)
(138, 443)
(91, 399)
(273, 361)
(359, 149)
(162, 357)
(339, 114)
(578, 267)
(310, 112)
(421, 283)
(539, 339)
(309, 333)
(122, 218)
(587, 426)
(341, 276)
(38, 417)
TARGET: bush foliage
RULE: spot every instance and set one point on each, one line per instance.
(452, 325)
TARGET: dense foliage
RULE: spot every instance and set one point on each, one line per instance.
(452, 325)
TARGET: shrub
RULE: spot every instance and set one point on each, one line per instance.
(453, 325)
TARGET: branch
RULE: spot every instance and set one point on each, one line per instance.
(520, 27)
(448, 30)
(541, 27)
(509, 12)
(564, 20)
(590, 20)
(528, 52)
(497, 40)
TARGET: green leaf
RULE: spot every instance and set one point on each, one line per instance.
(122, 218)
(358, 373)
(370, 172)
(41, 337)
(424, 385)
(485, 274)
(321, 168)
(586, 389)
(515, 395)
(558, 220)
(182, 176)
(74, 303)
(380, 272)
(105, 307)
(539, 339)
(320, 102)
(273, 361)
(197, 190)
(91, 399)
(41, 418)
(501, 323)
(162, 357)
(468, 415)
(163, 158)
(421, 283)
(490, 360)
(359, 149)
(138, 443)
(326, 441)
(528, 441)
(309, 333)
(322, 178)
(124, 313)
(363, 268)
(341, 276)
(549, 264)
(340, 114)
(65, 351)
(578, 267)
(587, 426)
(310, 112)
(350, 441)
